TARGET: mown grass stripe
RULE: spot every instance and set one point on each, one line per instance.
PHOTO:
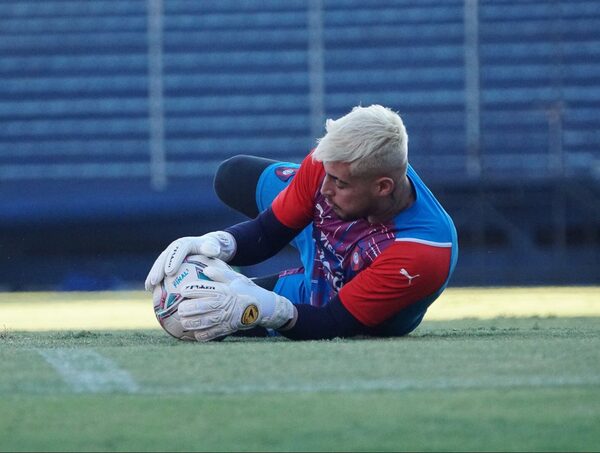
(376, 385)
(87, 371)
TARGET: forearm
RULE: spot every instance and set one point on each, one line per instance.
(259, 239)
(322, 323)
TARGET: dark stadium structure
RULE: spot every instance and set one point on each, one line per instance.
(115, 114)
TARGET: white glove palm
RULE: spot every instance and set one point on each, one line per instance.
(217, 244)
(229, 303)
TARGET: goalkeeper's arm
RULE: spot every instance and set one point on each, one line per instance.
(260, 238)
(323, 323)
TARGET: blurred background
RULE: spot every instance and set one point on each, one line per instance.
(114, 115)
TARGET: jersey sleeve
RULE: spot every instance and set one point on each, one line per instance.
(294, 205)
(405, 273)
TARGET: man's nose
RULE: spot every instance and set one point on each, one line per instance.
(326, 188)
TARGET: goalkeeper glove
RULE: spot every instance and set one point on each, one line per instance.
(228, 303)
(217, 244)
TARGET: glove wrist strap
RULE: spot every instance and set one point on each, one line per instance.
(283, 313)
(227, 243)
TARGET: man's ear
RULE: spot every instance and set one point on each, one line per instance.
(384, 186)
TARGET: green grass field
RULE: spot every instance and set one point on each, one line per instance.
(489, 369)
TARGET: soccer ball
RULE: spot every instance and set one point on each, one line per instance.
(167, 298)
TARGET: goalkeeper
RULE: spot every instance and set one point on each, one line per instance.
(377, 248)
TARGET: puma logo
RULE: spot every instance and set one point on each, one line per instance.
(407, 275)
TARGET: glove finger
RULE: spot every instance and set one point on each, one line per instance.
(204, 289)
(213, 333)
(199, 307)
(195, 323)
(176, 253)
(197, 314)
(158, 296)
(222, 275)
(156, 274)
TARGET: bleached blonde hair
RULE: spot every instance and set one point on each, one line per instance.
(372, 139)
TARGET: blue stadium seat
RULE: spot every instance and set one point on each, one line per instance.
(74, 84)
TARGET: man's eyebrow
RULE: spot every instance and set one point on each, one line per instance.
(335, 178)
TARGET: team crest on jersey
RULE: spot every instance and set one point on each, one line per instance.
(285, 173)
(357, 261)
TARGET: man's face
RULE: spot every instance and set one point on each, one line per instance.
(350, 196)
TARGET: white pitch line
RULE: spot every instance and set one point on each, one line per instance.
(86, 371)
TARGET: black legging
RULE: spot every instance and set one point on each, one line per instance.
(235, 182)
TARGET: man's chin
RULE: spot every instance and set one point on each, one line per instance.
(342, 215)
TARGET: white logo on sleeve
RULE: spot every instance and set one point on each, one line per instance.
(407, 275)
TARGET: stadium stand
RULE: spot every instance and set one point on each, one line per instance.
(80, 116)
